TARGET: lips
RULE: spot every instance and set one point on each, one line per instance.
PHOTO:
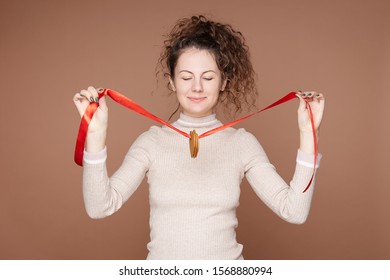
(196, 99)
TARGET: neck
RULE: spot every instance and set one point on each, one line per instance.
(193, 122)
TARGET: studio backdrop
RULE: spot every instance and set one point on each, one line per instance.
(49, 50)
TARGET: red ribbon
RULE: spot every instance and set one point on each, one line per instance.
(130, 104)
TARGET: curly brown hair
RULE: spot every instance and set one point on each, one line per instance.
(230, 51)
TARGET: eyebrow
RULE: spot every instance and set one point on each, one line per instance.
(193, 73)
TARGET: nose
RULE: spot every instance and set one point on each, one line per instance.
(197, 85)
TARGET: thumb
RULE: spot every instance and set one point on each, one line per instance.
(103, 103)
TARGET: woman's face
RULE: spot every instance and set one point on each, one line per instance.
(197, 82)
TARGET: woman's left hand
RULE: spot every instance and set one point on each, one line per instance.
(317, 104)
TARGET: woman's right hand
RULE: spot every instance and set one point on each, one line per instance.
(97, 130)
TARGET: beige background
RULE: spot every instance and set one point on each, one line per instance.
(50, 50)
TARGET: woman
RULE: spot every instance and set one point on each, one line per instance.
(193, 200)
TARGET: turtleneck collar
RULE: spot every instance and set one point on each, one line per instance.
(192, 122)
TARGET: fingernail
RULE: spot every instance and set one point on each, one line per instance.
(99, 90)
(303, 94)
(300, 91)
(91, 98)
(97, 99)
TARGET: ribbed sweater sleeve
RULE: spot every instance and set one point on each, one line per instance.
(287, 200)
(104, 195)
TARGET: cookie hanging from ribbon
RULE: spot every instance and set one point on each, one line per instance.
(194, 143)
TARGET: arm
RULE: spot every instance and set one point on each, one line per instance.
(287, 200)
(104, 195)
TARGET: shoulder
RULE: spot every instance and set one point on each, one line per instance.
(246, 138)
(250, 147)
(239, 136)
(145, 143)
(148, 136)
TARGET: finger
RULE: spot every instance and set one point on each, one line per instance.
(94, 93)
(78, 100)
(78, 97)
(302, 103)
(319, 97)
(309, 95)
(303, 94)
(103, 103)
(88, 95)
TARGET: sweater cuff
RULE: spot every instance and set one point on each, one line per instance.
(95, 158)
(307, 160)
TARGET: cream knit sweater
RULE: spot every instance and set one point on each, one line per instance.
(193, 200)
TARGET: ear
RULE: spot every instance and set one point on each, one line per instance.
(172, 84)
(224, 84)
